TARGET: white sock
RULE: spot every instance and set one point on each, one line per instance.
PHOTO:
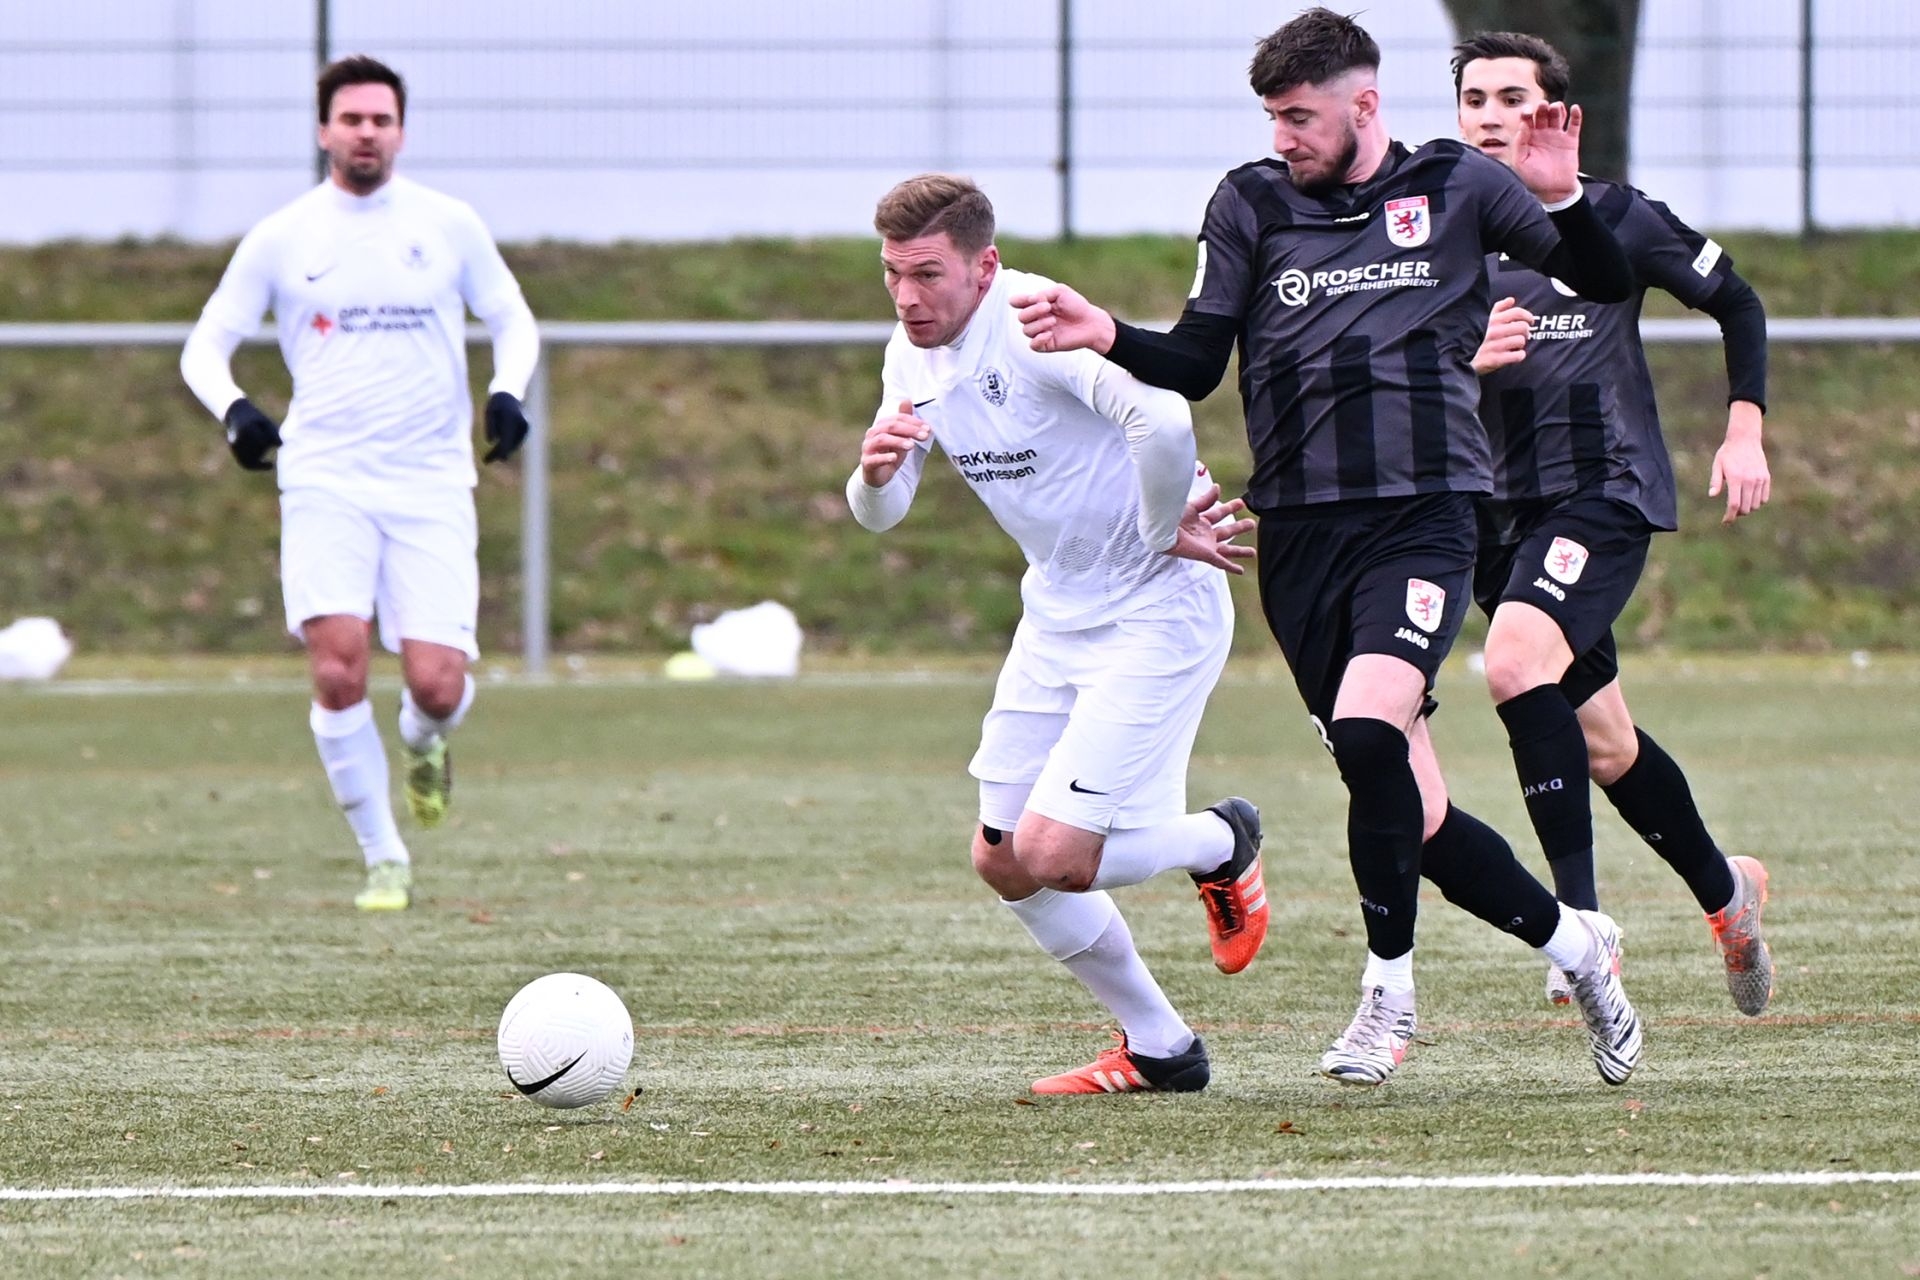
(1572, 944)
(356, 764)
(1085, 932)
(419, 730)
(1392, 976)
(1118, 978)
(1194, 842)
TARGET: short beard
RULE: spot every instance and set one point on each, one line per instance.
(363, 182)
(1336, 175)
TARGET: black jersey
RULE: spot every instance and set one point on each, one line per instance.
(1359, 317)
(1578, 413)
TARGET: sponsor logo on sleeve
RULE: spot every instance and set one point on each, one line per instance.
(1565, 559)
(1199, 272)
(1409, 222)
(1703, 264)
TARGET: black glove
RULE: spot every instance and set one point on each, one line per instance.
(251, 435)
(506, 426)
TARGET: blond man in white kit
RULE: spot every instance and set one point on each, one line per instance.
(1125, 627)
(369, 278)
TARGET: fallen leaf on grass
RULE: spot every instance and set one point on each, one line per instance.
(380, 1089)
(1286, 1127)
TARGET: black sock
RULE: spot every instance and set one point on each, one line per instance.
(1550, 756)
(1475, 870)
(1655, 800)
(1384, 821)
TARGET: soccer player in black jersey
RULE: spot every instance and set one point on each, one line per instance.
(1581, 481)
(1350, 272)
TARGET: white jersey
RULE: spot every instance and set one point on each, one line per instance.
(370, 295)
(1043, 439)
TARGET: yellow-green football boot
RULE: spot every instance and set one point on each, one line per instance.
(429, 782)
(389, 887)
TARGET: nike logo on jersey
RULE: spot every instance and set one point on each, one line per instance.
(921, 404)
(537, 1085)
(315, 275)
(1085, 791)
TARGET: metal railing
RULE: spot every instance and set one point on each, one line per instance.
(535, 551)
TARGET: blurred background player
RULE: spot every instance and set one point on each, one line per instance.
(1125, 627)
(1350, 272)
(369, 277)
(1581, 482)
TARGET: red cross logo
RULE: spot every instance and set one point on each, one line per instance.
(322, 325)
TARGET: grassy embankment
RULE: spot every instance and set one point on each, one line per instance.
(690, 481)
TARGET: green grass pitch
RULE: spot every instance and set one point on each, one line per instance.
(775, 878)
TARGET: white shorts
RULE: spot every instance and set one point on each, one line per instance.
(411, 562)
(1099, 723)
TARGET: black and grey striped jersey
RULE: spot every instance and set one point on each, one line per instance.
(1359, 316)
(1578, 414)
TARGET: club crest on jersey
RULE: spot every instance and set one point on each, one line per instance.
(1426, 603)
(415, 257)
(994, 387)
(1565, 559)
(1409, 222)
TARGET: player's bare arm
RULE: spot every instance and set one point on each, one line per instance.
(1208, 529)
(1547, 152)
(1059, 319)
(887, 444)
(1506, 340)
(1740, 465)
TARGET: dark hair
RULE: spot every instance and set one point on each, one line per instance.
(1312, 49)
(935, 202)
(359, 69)
(1550, 67)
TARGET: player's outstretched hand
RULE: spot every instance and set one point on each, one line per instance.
(1506, 340)
(887, 444)
(1547, 152)
(506, 426)
(1740, 468)
(251, 435)
(1058, 319)
(1208, 529)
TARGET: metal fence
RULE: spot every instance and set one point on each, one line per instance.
(1765, 112)
(535, 543)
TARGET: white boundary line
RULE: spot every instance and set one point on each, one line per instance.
(498, 1190)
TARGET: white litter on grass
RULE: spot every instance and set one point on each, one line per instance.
(33, 649)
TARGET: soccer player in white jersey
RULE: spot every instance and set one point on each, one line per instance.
(369, 278)
(1127, 621)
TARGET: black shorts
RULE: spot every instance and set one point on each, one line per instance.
(1577, 559)
(1388, 575)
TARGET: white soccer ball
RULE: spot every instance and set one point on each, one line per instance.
(566, 1040)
